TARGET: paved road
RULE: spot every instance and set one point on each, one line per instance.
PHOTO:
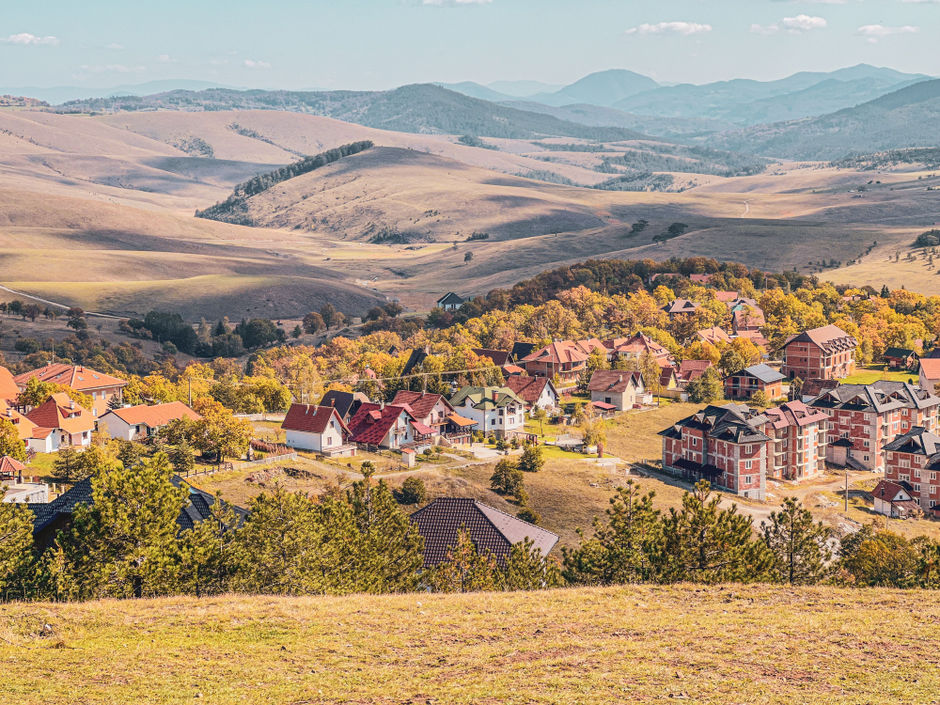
(55, 304)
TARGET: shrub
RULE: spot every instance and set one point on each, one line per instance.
(412, 491)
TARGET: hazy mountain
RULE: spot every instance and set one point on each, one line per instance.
(522, 89)
(604, 88)
(420, 108)
(476, 90)
(62, 94)
(901, 119)
(748, 102)
(595, 115)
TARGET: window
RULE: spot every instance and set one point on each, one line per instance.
(917, 487)
(748, 449)
(747, 466)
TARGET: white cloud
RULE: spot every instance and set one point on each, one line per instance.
(921, 2)
(683, 28)
(874, 32)
(803, 23)
(765, 29)
(253, 64)
(114, 46)
(25, 38)
(166, 59)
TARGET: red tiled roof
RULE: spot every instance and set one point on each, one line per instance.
(308, 418)
(155, 416)
(497, 357)
(603, 406)
(77, 377)
(61, 412)
(828, 338)
(701, 278)
(513, 370)
(372, 423)
(930, 366)
(9, 467)
(693, 369)
(714, 335)
(888, 490)
(420, 404)
(726, 296)
(8, 389)
(558, 353)
(636, 345)
(529, 389)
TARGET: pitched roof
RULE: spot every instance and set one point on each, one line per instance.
(735, 423)
(77, 377)
(898, 352)
(24, 427)
(420, 403)
(761, 372)
(748, 317)
(529, 389)
(701, 278)
(794, 413)
(8, 389)
(155, 416)
(693, 369)
(450, 298)
(616, 381)
(497, 357)
(636, 345)
(58, 411)
(918, 441)
(415, 358)
(827, 338)
(889, 491)
(930, 366)
(714, 335)
(557, 353)
(10, 467)
(486, 397)
(726, 296)
(520, 350)
(373, 421)
(491, 530)
(307, 418)
(680, 306)
(345, 403)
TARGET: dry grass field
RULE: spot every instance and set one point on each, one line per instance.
(97, 211)
(638, 644)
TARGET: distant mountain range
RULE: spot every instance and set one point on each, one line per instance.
(62, 94)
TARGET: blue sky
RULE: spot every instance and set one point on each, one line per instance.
(373, 44)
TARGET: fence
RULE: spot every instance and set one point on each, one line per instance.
(267, 460)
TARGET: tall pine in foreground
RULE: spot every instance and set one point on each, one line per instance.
(799, 545)
(16, 550)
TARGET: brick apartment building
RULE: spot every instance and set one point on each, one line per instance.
(820, 353)
(799, 434)
(912, 459)
(863, 418)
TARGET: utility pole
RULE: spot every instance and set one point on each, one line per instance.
(190, 392)
(846, 490)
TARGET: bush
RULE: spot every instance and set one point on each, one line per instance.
(412, 491)
(931, 238)
(507, 478)
(27, 345)
(530, 515)
(531, 459)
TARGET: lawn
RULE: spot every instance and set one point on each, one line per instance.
(643, 644)
(867, 375)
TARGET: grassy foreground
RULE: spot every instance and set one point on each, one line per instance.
(731, 644)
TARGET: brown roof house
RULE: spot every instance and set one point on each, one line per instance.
(60, 422)
(492, 531)
(680, 306)
(820, 353)
(131, 423)
(895, 499)
(100, 387)
(536, 392)
(623, 389)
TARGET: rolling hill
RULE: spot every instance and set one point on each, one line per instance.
(603, 88)
(901, 119)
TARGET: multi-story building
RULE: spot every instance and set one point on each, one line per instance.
(799, 433)
(722, 444)
(863, 418)
(820, 353)
(635, 347)
(913, 458)
(496, 410)
(743, 383)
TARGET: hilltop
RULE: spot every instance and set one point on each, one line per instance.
(734, 643)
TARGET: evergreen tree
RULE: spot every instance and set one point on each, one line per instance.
(464, 569)
(67, 465)
(206, 553)
(625, 547)
(16, 556)
(182, 457)
(880, 559)
(130, 454)
(707, 388)
(531, 459)
(506, 478)
(705, 544)
(412, 491)
(799, 545)
(124, 544)
(527, 569)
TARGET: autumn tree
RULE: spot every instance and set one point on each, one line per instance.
(10, 442)
(218, 432)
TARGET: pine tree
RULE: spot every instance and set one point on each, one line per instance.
(705, 544)
(67, 465)
(531, 459)
(799, 545)
(206, 553)
(182, 457)
(527, 569)
(16, 543)
(506, 478)
(465, 569)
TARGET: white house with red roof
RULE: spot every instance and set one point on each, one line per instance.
(385, 426)
(100, 387)
(536, 392)
(60, 422)
(431, 410)
(131, 423)
(317, 428)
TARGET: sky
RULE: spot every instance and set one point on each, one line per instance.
(378, 44)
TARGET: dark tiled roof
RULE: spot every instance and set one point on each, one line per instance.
(345, 403)
(491, 530)
(762, 373)
(883, 395)
(918, 441)
(734, 423)
(415, 359)
(450, 299)
(521, 350)
(828, 338)
(497, 357)
(898, 352)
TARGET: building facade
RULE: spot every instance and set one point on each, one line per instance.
(820, 353)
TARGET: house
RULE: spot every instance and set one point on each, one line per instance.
(726, 297)
(563, 359)
(345, 403)
(895, 499)
(521, 350)
(624, 390)
(50, 518)
(450, 301)
(536, 392)
(690, 370)
(743, 383)
(492, 531)
(385, 426)
(678, 307)
(799, 434)
(132, 423)
(496, 410)
(415, 359)
(432, 410)
(756, 337)
(900, 358)
(634, 347)
(912, 460)
(701, 278)
(320, 429)
(747, 319)
(669, 383)
(499, 358)
(722, 444)
(100, 387)
(24, 427)
(60, 423)
(713, 335)
(820, 353)
(10, 468)
(9, 391)
(863, 418)
(929, 375)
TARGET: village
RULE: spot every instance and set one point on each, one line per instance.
(793, 421)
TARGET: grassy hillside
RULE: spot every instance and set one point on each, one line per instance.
(726, 644)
